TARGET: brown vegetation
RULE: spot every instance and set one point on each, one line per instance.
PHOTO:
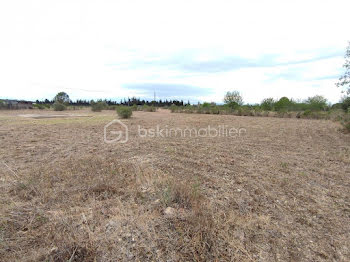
(280, 192)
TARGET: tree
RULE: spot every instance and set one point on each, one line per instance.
(62, 98)
(233, 99)
(344, 81)
(283, 104)
(267, 104)
(345, 103)
(317, 102)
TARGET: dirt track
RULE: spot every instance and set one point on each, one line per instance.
(279, 192)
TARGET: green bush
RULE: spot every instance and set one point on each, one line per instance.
(59, 106)
(111, 107)
(245, 111)
(147, 108)
(206, 105)
(345, 103)
(124, 112)
(98, 106)
(233, 105)
(39, 106)
(173, 108)
(258, 112)
(204, 109)
(283, 104)
(134, 108)
(317, 103)
(307, 113)
(214, 110)
(267, 104)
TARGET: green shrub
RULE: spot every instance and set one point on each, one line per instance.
(59, 106)
(147, 108)
(314, 114)
(203, 110)
(238, 112)
(173, 108)
(98, 106)
(317, 103)
(214, 110)
(245, 111)
(39, 106)
(345, 103)
(258, 112)
(307, 113)
(206, 105)
(111, 107)
(124, 112)
(267, 104)
(134, 108)
(233, 105)
(283, 104)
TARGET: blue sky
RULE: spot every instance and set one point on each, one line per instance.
(191, 50)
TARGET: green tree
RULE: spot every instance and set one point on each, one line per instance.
(317, 102)
(267, 104)
(62, 98)
(345, 103)
(344, 80)
(233, 99)
(283, 104)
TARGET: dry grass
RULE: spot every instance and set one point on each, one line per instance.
(280, 193)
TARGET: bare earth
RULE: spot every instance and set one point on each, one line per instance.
(279, 192)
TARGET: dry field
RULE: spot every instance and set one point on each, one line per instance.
(281, 192)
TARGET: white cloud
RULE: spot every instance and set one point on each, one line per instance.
(88, 47)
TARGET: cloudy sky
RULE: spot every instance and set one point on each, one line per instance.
(195, 50)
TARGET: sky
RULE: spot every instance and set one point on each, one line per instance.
(190, 50)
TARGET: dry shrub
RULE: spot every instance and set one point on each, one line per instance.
(193, 236)
(180, 194)
(106, 210)
(190, 230)
(71, 240)
(346, 122)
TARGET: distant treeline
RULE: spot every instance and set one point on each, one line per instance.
(124, 102)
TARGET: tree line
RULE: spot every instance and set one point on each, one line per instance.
(59, 98)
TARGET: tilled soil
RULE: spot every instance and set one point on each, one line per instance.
(278, 190)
